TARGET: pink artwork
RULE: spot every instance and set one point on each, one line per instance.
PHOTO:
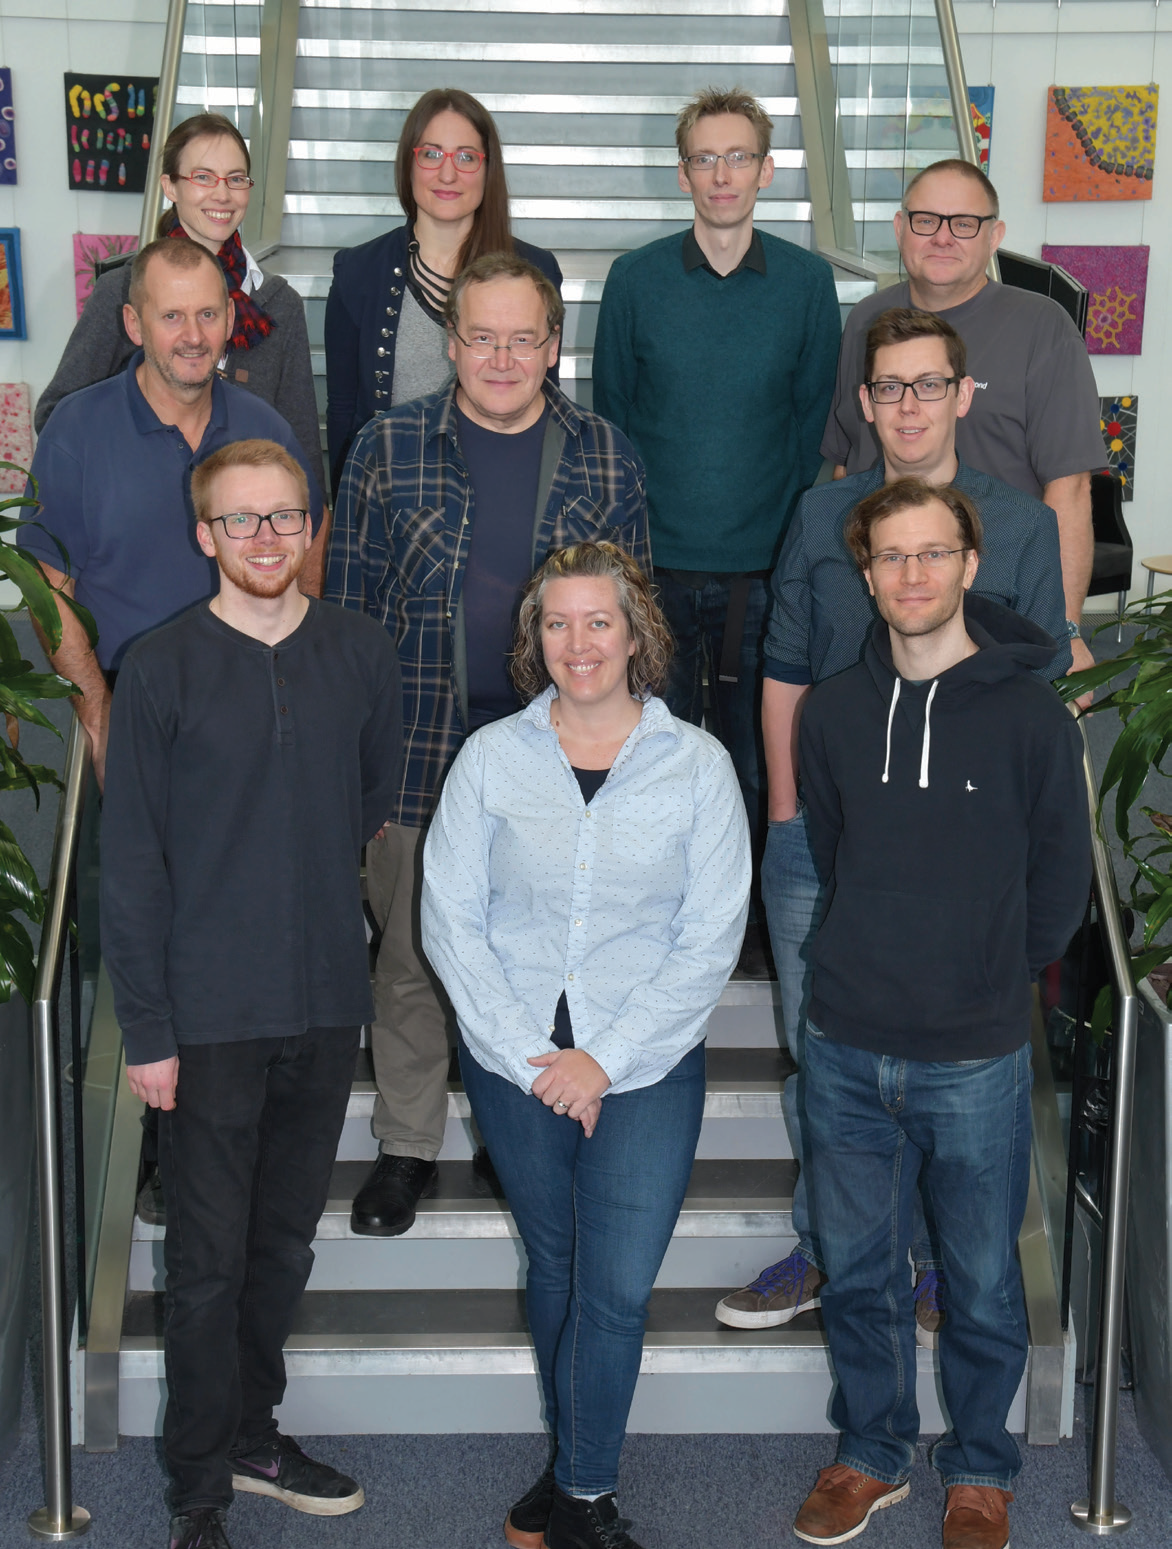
(1116, 279)
(88, 252)
(16, 434)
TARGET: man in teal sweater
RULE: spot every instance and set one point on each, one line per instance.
(715, 353)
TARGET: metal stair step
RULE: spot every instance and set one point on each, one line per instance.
(428, 1361)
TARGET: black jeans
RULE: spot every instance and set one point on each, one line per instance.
(245, 1157)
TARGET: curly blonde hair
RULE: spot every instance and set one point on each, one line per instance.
(647, 667)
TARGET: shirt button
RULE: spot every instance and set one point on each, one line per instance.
(398, 274)
(380, 352)
(386, 333)
(280, 683)
(569, 976)
(552, 1028)
(284, 709)
(577, 922)
(588, 812)
(395, 291)
(581, 865)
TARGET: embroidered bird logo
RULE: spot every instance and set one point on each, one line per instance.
(969, 786)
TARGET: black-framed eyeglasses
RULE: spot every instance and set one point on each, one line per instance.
(431, 158)
(238, 182)
(928, 389)
(520, 347)
(926, 223)
(735, 161)
(931, 559)
(246, 524)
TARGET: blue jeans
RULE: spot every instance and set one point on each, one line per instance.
(596, 1217)
(793, 902)
(878, 1128)
(696, 618)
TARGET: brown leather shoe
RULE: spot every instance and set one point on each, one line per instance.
(840, 1504)
(977, 1517)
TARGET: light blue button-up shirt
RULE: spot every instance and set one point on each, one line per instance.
(634, 905)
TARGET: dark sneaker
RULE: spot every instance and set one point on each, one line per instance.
(279, 1468)
(385, 1204)
(778, 1294)
(201, 1528)
(150, 1205)
(977, 1517)
(579, 1524)
(842, 1503)
(929, 1296)
(527, 1521)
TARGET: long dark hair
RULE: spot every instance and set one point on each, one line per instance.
(490, 225)
(178, 141)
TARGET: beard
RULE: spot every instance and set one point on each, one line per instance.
(256, 583)
(163, 368)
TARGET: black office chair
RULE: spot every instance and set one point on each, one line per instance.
(1114, 553)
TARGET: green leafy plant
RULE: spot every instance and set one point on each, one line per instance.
(21, 686)
(1144, 701)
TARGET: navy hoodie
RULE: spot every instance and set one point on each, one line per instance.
(949, 822)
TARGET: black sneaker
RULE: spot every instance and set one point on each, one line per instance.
(385, 1204)
(279, 1468)
(200, 1528)
(579, 1524)
(527, 1521)
(150, 1205)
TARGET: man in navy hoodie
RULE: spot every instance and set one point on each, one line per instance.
(948, 822)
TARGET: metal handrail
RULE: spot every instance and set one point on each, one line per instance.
(1100, 1513)
(958, 92)
(59, 1518)
(152, 198)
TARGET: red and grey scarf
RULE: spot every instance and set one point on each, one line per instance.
(252, 322)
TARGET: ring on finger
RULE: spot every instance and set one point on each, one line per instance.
(563, 1107)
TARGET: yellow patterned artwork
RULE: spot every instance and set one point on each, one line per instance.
(1100, 142)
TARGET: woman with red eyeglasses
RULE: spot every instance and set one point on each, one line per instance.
(385, 337)
(206, 176)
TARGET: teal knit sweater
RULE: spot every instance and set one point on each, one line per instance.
(724, 386)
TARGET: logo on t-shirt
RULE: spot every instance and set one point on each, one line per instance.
(981, 385)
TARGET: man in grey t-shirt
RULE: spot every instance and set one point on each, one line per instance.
(1034, 420)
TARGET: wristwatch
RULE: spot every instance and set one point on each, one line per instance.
(1073, 629)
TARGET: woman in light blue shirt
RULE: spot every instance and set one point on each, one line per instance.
(586, 880)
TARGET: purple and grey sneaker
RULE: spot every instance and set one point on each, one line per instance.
(200, 1528)
(279, 1468)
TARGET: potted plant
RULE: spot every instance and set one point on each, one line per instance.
(21, 686)
(1144, 701)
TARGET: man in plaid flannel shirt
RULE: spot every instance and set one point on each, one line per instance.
(446, 506)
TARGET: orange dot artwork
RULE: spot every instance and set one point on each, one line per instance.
(1100, 143)
(5, 291)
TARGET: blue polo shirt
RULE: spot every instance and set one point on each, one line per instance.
(114, 484)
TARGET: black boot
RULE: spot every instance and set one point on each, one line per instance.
(526, 1522)
(578, 1524)
(385, 1204)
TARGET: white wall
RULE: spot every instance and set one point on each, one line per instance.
(1021, 47)
(39, 41)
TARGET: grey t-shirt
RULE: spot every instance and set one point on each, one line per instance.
(421, 354)
(1035, 410)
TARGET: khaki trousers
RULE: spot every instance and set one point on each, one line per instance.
(413, 1024)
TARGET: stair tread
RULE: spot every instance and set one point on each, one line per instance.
(461, 1318)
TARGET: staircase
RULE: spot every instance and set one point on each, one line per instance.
(585, 94)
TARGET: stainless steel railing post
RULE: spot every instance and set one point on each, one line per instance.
(958, 92)
(152, 199)
(59, 1518)
(1100, 1513)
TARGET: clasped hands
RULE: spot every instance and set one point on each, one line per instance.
(572, 1083)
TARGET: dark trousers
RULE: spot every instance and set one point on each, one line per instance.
(245, 1158)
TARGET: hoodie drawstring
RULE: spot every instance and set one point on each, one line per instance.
(927, 747)
(890, 718)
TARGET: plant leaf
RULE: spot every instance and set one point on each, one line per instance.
(1102, 1013)
(17, 967)
(39, 596)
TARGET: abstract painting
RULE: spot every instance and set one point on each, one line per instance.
(108, 128)
(1117, 418)
(1100, 142)
(1116, 279)
(7, 128)
(981, 108)
(88, 252)
(11, 286)
(16, 434)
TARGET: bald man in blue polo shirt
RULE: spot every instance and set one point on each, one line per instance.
(113, 473)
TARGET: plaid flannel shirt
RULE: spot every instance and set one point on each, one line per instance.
(399, 548)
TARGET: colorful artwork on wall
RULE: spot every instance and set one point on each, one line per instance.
(1100, 142)
(1116, 279)
(1118, 421)
(7, 128)
(16, 434)
(11, 286)
(981, 107)
(108, 128)
(88, 252)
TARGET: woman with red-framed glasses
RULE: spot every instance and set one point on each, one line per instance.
(207, 177)
(385, 337)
